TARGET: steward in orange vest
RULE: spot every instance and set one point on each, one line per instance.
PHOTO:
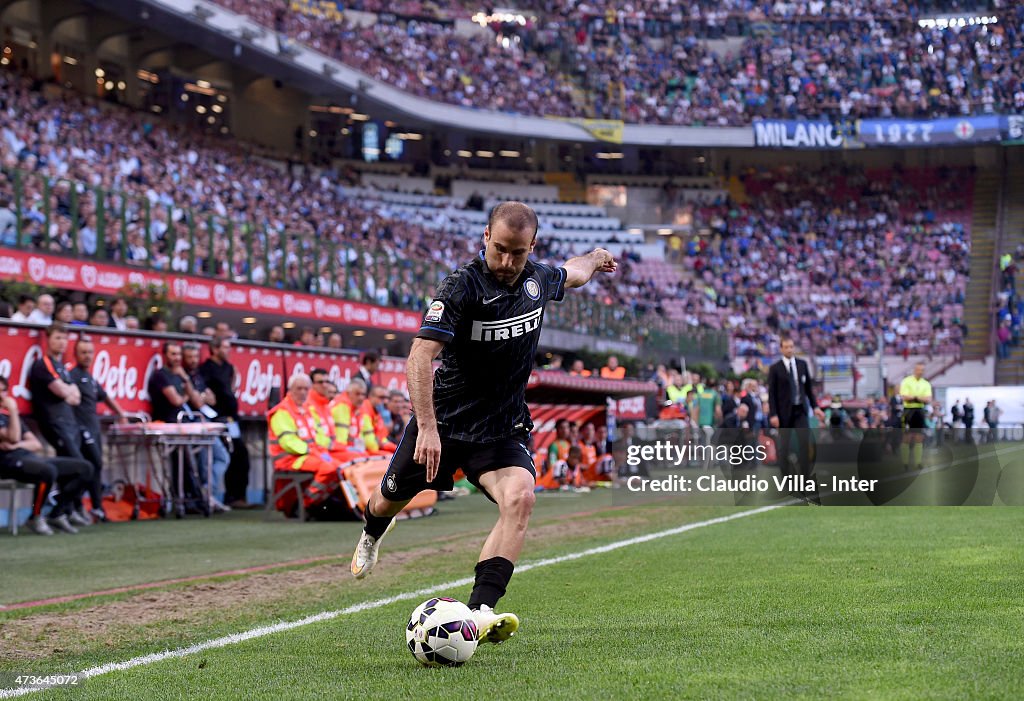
(319, 406)
(379, 442)
(297, 442)
(353, 428)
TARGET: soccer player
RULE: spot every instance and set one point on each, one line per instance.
(917, 394)
(485, 323)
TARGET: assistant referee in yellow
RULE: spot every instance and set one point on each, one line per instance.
(917, 394)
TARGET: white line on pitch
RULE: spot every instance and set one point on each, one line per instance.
(377, 603)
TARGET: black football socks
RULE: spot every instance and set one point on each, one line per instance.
(492, 576)
(375, 525)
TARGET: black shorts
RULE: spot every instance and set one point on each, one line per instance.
(913, 418)
(406, 478)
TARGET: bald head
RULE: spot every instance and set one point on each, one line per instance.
(45, 304)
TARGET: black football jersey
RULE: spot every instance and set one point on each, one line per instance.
(490, 332)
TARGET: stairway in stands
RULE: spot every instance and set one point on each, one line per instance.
(1011, 370)
(737, 192)
(978, 305)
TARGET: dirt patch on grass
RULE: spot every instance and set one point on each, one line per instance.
(46, 634)
(581, 527)
(146, 615)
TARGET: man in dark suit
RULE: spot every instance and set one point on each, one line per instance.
(368, 367)
(968, 421)
(790, 399)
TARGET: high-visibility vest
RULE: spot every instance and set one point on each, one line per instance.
(292, 433)
(688, 387)
(341, 414)
(320, 409)
(351, 423)
(377, 437)
(913, 387)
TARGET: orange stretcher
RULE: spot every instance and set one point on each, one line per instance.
(361, 477)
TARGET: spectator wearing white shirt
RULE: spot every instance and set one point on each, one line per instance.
(179, 263)
(26, 304)
(43, 313)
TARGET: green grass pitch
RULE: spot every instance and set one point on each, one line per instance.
(797, 602)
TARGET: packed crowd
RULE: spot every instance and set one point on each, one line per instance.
(648, 62)
(425, 58)
(827, 65)
(840, 260)
(861, 255)
(209, 205)
(175, 199)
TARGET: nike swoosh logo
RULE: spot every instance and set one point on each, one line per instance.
(492, 299)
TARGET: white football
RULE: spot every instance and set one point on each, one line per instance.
(442, 633)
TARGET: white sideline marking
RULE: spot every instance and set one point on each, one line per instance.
(377, 603)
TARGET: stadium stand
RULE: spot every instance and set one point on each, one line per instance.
(892, 264)
(900, 239)
(652, 62)
(101, 181)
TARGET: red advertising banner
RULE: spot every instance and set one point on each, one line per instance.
(20, 349)
(124, 363)
(103, 278)
(343, 367)
(631, 409)
(391, 374)
(258, 371)
(340, 367)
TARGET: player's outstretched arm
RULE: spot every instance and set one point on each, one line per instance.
(420, 375)
(580, 269)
